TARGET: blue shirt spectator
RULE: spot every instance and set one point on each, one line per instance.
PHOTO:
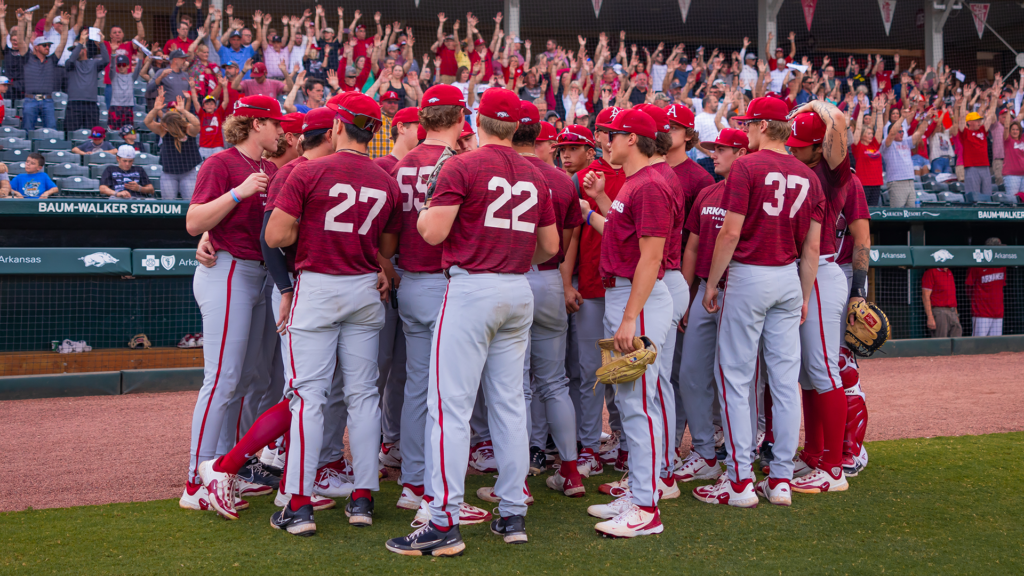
(38, 185)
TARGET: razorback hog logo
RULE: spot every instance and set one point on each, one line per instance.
(98, 259)
(432, 100)
(502, 114)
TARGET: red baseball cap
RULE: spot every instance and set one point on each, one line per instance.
(808, 130)
(360, 111)
(766, 108)
(421, 132)
(258, 107)
(528, 114)
(547, 132)
(338, 101)
(259, 70)
(728, 137)
(501, 104)
(318, 119)
(292, 123)
(405, 115)
(680, 114)
(575, 135)
(605, 116)
(443, 95)
(635, 122)
(389, 95)
(467, 129)
(657, 114)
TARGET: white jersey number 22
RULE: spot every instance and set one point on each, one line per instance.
(507, 191)
(365, 195)
(782, 183)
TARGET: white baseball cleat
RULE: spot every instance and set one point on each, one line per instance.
(468, 514)
(613, 508)
(409, 500)
(562, 484)
(221, 488)
(719, 437)
(605, 437)
(588, 464)
(481, 457)
(821, 481)
(318, 501)
(631, 523)
(615, 488)
(329, 482)
(390, 455)
(668, 491)
(781, 495)
(725, 491)
(194, 497)
(800, 468)
(487, 495)
(696, 467)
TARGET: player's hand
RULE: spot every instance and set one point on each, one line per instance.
(931, 323)
(803, 313)
(284, 311)
(684, 322)
(382, 286)
(593, 184)
(624, 336)
(584, 209)
(849, 318)
(205, 253)
(710, 301)
(256, 182)
(573, 299)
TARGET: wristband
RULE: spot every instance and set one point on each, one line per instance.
(588, 217)
(234, 197)
(860, 278)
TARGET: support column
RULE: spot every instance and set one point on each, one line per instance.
(934, 21)
(767, 19)
(511, 18)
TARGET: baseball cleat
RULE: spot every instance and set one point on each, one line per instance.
(606, 437)
(468, 514)
(300, 522)
(759, 441)
(428, 541)
(668, 491)
(725, 491)
(613, 508)
(221, 489)
(481, 457)
(318, 502)
(390, 455)
(342, 467)
(589, 464)
(360, 512)
(780, 495)
(696, 467)
(615, 488)
(487, 495)
(767, 454)
(241, 504)
(410, 499)
(821, 481)
(801, 468)
(622, 461)
(720, 453)
(195, 497)
(538, 460)
(329, 482)
(567, 486)
(256, 474)
(853, 466)
(511, 529)
(632, 522)
(270, 457)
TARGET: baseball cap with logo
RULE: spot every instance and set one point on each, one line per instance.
(528, 114)
(547, 132)
(680, 114)
(765, 108)
(728, 137)
(606, 115)
(98, 132)
(389, 95)
(406, 115)
(633, 121)
(318, 119)
(443, 95)
(126, 151)
(808, 130)
(292, 123)
(258, 107)
(122, 60)
(360, 111)
(501, 104)
(467, 129)
(657, 114)
(259, 70)
(575, 135)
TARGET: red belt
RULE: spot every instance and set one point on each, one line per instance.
(608, 282)
(547, 267)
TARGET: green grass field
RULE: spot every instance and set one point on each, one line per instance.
(928, 506)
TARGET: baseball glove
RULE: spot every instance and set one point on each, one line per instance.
(618, 368)
(867, 328)
(139, 341)
(448, 154)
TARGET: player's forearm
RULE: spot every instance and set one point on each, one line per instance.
(547, 244)
(689, 267)
(809, 253)
(282, 229)
(205, 217)
(569, 262)
(725, 247)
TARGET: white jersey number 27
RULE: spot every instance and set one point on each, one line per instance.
(365, 195)
(507, 191)
(783, 182)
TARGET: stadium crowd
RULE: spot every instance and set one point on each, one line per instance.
(102, 111)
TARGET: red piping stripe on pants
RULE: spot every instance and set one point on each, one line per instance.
(821, 329)
(725, 401)
(650, 429)
(291, 381)
(440, 413)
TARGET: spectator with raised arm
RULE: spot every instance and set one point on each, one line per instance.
(179, 16)
(896, 157)
(972, 129)
(41, 80)
(259, 84)
(867, 153)
(446, 48)
(312, 94)
(175, 78)
(83, 73)
(124, 179)
(235, 50)
(779, 54)
(117, 45)
(357, 32)
(211, 114)
(13, 61)
(179, 150)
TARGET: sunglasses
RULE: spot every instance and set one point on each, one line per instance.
(614, 133)
(361, 121)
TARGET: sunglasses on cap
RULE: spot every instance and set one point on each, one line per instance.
(361, 121)
(241, 104)
(570, 138)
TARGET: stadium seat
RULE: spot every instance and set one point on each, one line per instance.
(96, 171)
(46, 134)
(79, 183)
(154, 171)
(82, 134)
(16, 143)
(50, 144)
(146, 159)
(955, 186)
(1004, 198)
(12, 121)
(11, 155)
(929, 197)
(65, 170)
(60, 95)
(15, 168)
(11, 132)
(101, 158)
(951, 197)
(973, 197)
(62, 157)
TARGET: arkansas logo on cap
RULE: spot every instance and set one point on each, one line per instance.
(502, 114)
(432, 100)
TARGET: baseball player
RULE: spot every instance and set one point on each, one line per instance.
(987, 297)
(637, 302)
(492, 213)
(774, 207)
(696, 375)
(853, 256)
(404, 128)
(545, 147)
(422, 290)
(590, 321)
(340, 211)
(228, 203)
(819, 141)
(467, 139)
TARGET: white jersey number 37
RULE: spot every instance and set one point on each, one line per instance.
(365, 195)
(782, 183)
(507, 191)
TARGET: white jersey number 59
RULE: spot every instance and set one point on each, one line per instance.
(783, 182)
(507, 191)
(365, 195)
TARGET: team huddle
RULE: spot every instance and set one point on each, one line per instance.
(449, 298)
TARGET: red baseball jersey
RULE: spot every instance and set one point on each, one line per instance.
(834, 184)
(673, 259)
(563, 201)
(387, 162)
(779, 196)
(344, 202)
(705, 220)
(210, 135)
(856, 209)
(940, 282)
(412, 174)
(276, 184)
(694, 179)
(987, 291)
(239, 231)
(590, 285)
(502, 201)
(975, 143)
(643, 207)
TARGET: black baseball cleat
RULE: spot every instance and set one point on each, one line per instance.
(720, 453)
(256, 473)
(428, 541)
(766, 453)
(538, 460)
(360, 511)
(299, 522)
(512, 529)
